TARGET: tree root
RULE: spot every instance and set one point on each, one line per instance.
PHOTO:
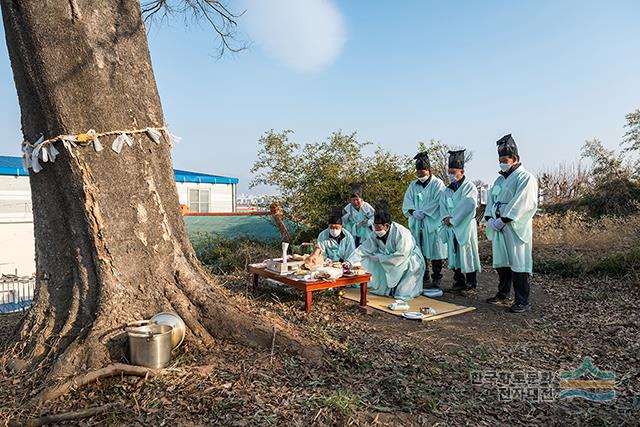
(57, 418)
(80, 380)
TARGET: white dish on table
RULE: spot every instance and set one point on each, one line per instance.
(413, 315)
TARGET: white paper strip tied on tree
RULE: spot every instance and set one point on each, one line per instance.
(119, 142)
(154, 134)
(174, 139)
(45, 150)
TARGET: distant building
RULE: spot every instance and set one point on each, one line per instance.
(16, 219)
(483, 190)
(201, 192)
(250, 202)
(198, 192)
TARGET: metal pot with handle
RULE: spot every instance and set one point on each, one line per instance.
(150, 345)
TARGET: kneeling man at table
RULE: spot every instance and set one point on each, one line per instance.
(335, 242)
(392, 257)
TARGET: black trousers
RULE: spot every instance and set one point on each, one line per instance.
(436, 267)
(462, 280)
(520, 282)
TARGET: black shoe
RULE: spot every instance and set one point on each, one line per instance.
(457, 288)
(518, 308)
(497, 300)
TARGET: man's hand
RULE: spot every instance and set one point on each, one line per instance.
(419, 215)
(447, 221)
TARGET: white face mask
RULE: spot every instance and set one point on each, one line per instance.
(423, 178)
(452, 177)
(380, 233)
(505, 167)
(334, 232)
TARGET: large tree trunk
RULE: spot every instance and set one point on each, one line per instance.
(111, 246)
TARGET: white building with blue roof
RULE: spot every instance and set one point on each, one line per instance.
(198, 192)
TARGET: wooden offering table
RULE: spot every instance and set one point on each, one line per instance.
(308, 286)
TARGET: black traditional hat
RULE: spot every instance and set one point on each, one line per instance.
(382, 215)
(507, 146)
(356, 190)
(422, 161)
(335, 215)
(456, 159)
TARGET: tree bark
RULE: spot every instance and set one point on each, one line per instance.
(111, 245)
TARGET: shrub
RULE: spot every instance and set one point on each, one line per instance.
(225, 256)
(620, 263)
(314, 177)
(572, 244)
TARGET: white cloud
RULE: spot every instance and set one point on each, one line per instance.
(307, 35)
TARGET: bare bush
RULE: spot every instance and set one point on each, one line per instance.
(578, 231)
(574, 244)
(564, 182)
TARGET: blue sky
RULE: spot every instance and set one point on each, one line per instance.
(552, 73)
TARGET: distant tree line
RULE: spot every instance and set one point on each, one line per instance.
(609, 184)
(313, 177)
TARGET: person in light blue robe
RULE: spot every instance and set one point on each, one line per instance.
(334, 242)
(458, 212)
(358, 216)
(511, 205)
(421, 206)
(392, 257)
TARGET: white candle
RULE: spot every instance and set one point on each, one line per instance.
(285, 247)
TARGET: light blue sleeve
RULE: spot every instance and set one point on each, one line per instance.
(488, 209)
(432, 207)
(371, 213)
(322, 241)
(367, 248)
(466, 206)
(403, 250)
(349, 247)
(524, 202)
(444, 212)
(346, 214)
(408, 203)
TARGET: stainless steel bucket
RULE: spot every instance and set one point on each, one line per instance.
(150, 345)
(171, 319)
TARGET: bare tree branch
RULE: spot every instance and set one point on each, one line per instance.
(214, 13)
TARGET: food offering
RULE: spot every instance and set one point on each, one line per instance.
(322, 275)
(314, 261)
(354, 271)
(316, 267)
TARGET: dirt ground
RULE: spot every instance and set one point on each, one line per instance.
(486, 367)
